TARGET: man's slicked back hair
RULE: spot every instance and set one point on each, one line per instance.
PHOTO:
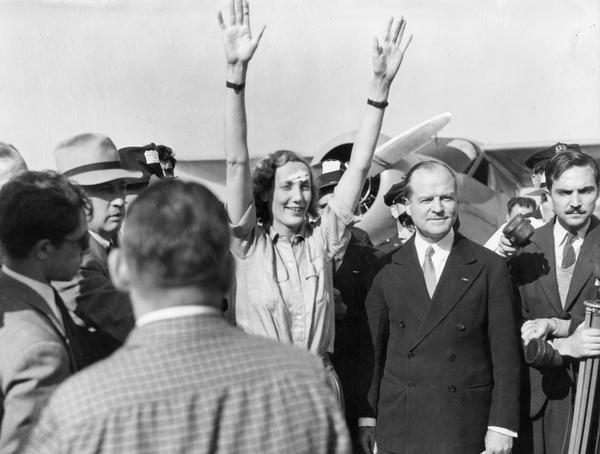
(428, 165)
(176, 234)
(563, 161)
(36, 206)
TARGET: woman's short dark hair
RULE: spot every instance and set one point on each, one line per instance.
(563, 161)
(36, 206)
(263, 180)
(176, 234)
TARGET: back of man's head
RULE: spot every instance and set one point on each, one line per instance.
(177, 235)
(36, 206)
(11, 162)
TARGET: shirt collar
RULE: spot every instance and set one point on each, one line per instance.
(444, 245)
(175, 312)
(43, 289)
(102, 241)
(560, 233)
(297, 238)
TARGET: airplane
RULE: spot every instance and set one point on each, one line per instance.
(510, 72)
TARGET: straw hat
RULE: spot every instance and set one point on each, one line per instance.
(90, 159)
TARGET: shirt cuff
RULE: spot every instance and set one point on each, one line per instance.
(562, 328)
(367, 422)
(503, 431)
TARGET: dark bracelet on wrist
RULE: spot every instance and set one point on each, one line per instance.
(236, 87)
(377, 104)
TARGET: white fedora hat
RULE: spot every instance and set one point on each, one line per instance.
(90, 159)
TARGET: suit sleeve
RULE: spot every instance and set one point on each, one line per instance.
(504, 348)
(98, 302)
(378, 319)
(29, 384)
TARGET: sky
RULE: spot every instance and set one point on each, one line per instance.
(509, 71)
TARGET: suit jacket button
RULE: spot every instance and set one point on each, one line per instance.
(411, 354)
(452, 357)
(402, 324)
(411, 385)
(460, 327)
(452, 388)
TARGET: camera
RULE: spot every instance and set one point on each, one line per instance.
(518, 230)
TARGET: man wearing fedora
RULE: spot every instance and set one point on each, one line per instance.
(92, 161)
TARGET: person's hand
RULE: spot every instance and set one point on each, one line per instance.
(366, 439)
(338, 304)
(497, 443)
(388, 55)
(505, 247)
(583, 343)
(237, 38)
(537, 329)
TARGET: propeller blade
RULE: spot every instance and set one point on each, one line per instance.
(393, 150)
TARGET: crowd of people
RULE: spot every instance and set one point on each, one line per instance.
(138, 313)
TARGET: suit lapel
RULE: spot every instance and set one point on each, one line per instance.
(544, 240)
(28, 296)
(411, 286)
(460, 271)
(584, 267)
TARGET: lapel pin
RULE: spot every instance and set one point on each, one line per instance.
(466, 279)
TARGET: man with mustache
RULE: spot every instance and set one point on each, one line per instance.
(105, 314)
(446, 375)
(555, 275)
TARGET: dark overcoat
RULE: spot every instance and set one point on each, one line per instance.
(446, 368)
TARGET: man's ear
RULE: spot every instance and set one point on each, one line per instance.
(120, 274)
(407, 205)
(43, 249)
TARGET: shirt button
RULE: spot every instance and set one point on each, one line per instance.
(452, 357)
(402, 324)
(460, 327)
(411, 354)
(452, 388)
(410, 385)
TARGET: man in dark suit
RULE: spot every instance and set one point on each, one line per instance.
(186, 380)
(43, 232)
(104, 313)
(447, 365)
(555, 275)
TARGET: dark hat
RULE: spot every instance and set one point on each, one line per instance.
(328, 174)
(144, 159)
(540, 158)
(396, 193)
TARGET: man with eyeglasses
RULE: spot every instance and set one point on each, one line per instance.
(43, 232)
(92, 161)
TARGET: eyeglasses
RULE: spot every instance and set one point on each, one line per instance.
(83, 242)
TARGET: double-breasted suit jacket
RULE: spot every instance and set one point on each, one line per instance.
(446, 367)
(35, 356)
(533, 270)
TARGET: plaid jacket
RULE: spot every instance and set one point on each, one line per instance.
(195, 384)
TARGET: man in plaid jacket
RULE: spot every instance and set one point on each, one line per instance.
(185, 380)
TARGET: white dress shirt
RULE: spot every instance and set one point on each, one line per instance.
(441, 251)
(560, 236)
(175, 312)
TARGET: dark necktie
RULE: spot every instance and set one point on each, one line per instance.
(568, 256)
(429, 271)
